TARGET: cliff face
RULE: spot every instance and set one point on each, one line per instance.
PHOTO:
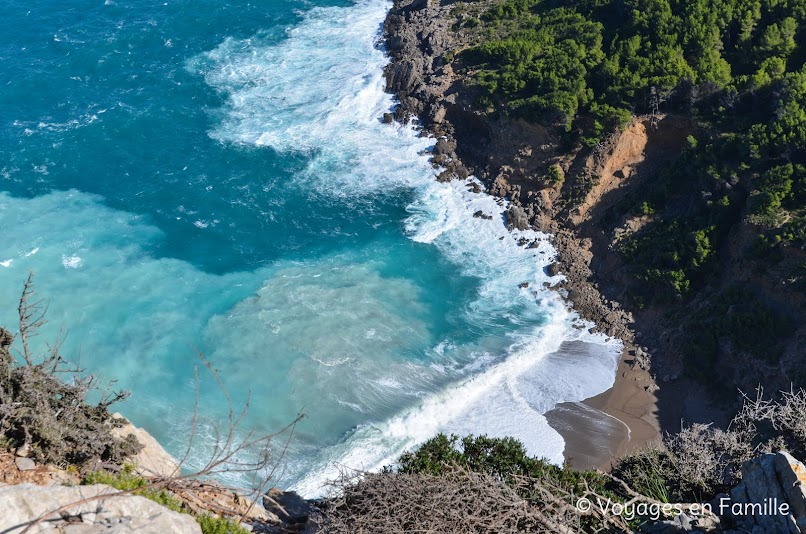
(586, 196)
(512, 157)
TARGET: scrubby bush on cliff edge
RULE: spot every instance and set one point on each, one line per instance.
(471, 484)
(43, 400)
(482, 484)
(702, 460)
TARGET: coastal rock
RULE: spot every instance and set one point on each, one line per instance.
(443, 146)
(771, 480)
(792, 475)
(125, 514)
(152, 460)
(516, 218)
(404, 76)
(287, 505)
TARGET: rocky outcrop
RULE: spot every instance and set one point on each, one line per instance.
(511, 157)
(152, 460)
(771, 499)
(777, 483)
(287, 505)
(24, 503)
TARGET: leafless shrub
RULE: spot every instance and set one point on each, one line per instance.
(458, 501)
(248, 453)
(703, 459)
(43, 399)
(707, 458)
(774, 423)
(790, 415)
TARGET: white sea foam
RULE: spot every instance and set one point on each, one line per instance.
(71, 262)
(321, 92)
(331, 335)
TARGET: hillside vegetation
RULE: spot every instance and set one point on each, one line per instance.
(720, 249)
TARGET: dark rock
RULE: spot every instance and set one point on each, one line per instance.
(523, 285)
(461, 171)
(388, 118)
(443, 147)
(516, 218)
(553, 269)
(444, 176)
(287, 505)
(416, 5)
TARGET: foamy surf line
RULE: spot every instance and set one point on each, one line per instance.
(507, 398)
(321, 93)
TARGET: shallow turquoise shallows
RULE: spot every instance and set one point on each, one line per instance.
(214, 176)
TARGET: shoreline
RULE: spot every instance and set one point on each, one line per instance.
(418, 36)
(619, 421)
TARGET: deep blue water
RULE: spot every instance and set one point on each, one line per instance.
(214, 176)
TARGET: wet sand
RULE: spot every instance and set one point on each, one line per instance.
(619, 421)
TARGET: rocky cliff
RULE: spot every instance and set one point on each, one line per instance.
(586, 196)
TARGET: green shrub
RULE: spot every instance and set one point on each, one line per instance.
(649, 472)
(555, 174)
(127, 480)
(219, 525)
(504, 458)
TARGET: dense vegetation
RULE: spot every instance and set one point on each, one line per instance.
(559, 60)
(735, 197)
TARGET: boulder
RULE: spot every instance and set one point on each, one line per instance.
(792, 475)
(126, 514)
(443, 146)
(25, 464)
(152, 460)
(516, 218)
(287, 505)
(772, 479)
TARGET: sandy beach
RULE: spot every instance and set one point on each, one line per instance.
(614, 423)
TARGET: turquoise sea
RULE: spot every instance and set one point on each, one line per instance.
(214, 176)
